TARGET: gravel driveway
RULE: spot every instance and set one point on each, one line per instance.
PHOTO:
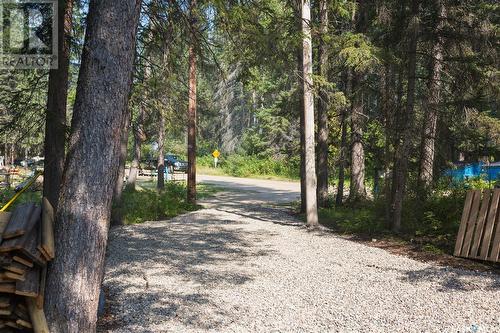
(244, 264)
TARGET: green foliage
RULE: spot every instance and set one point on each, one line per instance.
(362, 220)
(357, 52)
(146, 204)
(28, 196)
(434, 222)
(254, 166)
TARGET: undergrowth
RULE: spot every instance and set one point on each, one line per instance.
(254, 166)
(147, 204)
(433, 223)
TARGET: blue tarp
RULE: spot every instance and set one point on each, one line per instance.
(490, 172)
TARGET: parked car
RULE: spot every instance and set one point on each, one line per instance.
(175, 164)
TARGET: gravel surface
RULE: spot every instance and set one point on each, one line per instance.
(241, 265)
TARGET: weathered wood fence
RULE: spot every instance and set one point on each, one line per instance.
(479, 233)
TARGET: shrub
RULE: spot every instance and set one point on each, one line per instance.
(248, 166)
(143, 205)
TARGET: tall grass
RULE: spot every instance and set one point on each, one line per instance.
(254, 166)
(147, 204)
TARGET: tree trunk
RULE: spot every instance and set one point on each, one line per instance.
(426, 173)
(309, 153)
(55, 121)
(323, 104)
(116, 213)
(343, 158)
(161, 152)
(302, 134)
(357, 190)
(91, 168)
(191, 191)
(387, 86)
(403, 149)
(138, 139)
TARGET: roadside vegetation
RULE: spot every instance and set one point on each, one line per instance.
(146, 203)
(251, 166)
(430, 224)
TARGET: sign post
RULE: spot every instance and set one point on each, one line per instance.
(216, 155)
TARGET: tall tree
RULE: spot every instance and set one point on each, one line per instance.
(404, 142)
(91, 168)
(357, 190)
(342, 159)
(57, 96)
(139, 137)
(116, 213)
(160, 185)
(323, 130)
(191, 191)
(309, 153)
(429, 129)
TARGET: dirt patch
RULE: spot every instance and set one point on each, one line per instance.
(415, 251)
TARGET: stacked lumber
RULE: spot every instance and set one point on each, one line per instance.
(26, 245)
(479, 232)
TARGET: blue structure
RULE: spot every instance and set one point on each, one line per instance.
(490, 172)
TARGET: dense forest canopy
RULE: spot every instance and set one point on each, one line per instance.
(368, 102)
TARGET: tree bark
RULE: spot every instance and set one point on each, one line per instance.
(138, 139)
(403, 148)
(343, 158)
(309, 153)
(91, 167)
(426, 171)
(55, 121)
(339, 200)
(323, 104)
(357, 190)
(191, 190)
(161, 152)
(116, 213)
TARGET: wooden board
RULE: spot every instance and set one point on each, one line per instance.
(38, 319)
(30, 287)
(23, 261)
(495, 248)
(24, 323)
(463, 224)
(16, 267)
(30, 250)
(4, 220)
(7, 287)
(479, 232)
(48, 229)
(490, 225)
(19, 221)
(19, 242)
(14, 276)
(4, 301)
(471, 223)
(27, 245)
(40, 299)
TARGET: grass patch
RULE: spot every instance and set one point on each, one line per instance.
(147, 204)
(251, 167)
(28, 196)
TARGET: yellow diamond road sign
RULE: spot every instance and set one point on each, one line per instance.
(216, 154)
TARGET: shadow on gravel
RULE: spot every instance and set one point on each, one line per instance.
(190, 250)
(452, 280)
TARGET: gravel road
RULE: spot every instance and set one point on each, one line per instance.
(244, 264)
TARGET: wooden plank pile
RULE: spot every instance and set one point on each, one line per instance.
(479, 233)
(26, 245)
